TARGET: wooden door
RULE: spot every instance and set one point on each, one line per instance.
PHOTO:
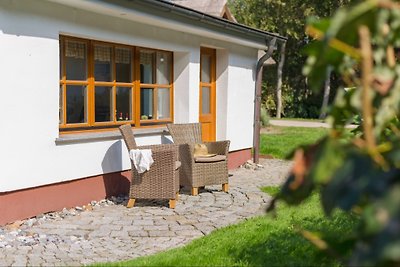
(207, 93)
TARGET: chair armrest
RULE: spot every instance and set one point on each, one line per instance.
(218, 147)
(165, 158)
(163, 147)
(159, 147)
(186, 152)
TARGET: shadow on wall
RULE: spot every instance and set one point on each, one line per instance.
(26, 18)
(116, 182)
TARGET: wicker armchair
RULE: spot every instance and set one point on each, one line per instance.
(162, 180)
(199, 172)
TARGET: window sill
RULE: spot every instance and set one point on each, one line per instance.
(105, 136)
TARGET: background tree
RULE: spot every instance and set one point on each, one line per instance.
(288, 18)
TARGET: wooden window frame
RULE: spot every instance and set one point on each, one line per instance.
(155, 88)
(90, 83)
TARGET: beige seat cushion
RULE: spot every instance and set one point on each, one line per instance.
(210, 159)
(177, 165)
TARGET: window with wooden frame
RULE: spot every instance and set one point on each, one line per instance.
(155, 86)
(104, 85)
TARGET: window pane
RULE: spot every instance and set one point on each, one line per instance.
(102, 63)
(205, 68)
(103, 103)
(75, 60)
(123, 65)
(163, 106)
(76, 104)
(146, 103)
(163, 67)
(124, 103)
(205, 100)
(146, 66)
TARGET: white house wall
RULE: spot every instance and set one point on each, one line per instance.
(240, 103)
(186, 86)
(222, 93)
(181, 85)
(29, 64)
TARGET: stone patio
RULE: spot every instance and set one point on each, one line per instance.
(107, 231)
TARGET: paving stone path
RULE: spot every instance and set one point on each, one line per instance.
(108, 231)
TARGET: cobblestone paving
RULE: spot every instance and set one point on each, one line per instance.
(108, 231)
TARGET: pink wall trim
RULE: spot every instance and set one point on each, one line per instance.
(23, 204)
(238, 157)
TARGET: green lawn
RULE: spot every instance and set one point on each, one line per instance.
(260, 241)
(283, 140)
(298, 119)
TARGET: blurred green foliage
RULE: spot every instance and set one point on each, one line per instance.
(359, 174)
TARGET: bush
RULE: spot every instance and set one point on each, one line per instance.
(264, 117)
(270, 105)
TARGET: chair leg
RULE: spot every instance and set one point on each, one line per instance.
(131, 203)
(172, 203)
(177, 196)
(195, 191)
(225, 187)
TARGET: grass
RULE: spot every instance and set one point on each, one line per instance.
(283, 140)
(260, 241)
(299, 119)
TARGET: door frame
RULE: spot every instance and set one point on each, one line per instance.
(211, 117)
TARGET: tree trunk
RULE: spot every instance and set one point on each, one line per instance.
(327, 89)
(279, 81)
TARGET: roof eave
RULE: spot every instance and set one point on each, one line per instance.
(206, 18)
(177, 17)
